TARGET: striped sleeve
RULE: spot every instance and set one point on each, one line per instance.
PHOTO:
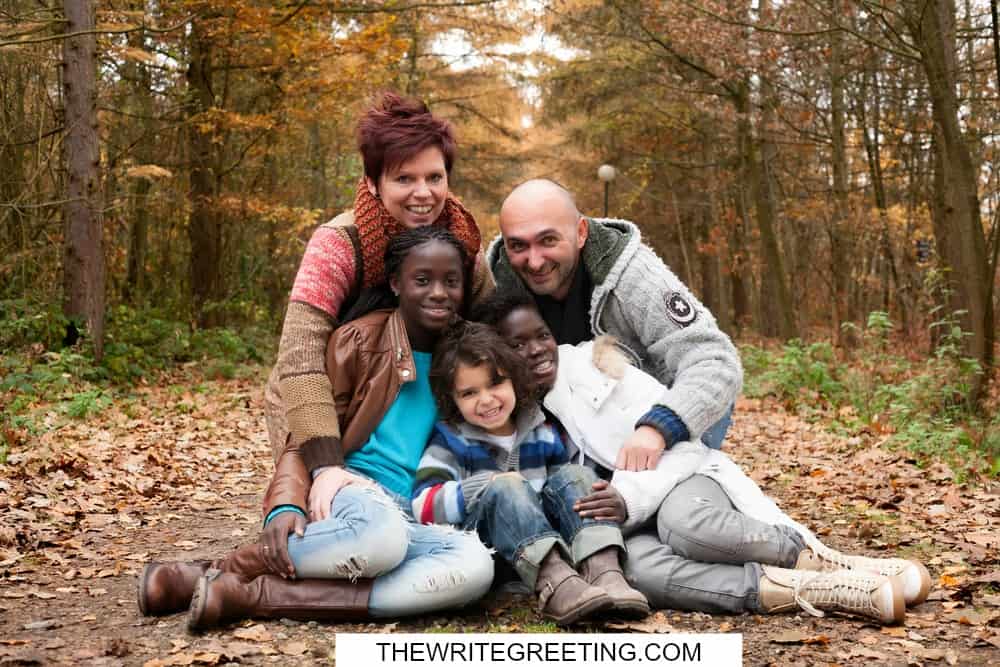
(556, 452)
(437, 491)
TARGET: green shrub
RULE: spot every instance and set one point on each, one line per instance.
(801, 376)
(35, 370)
(921, 406)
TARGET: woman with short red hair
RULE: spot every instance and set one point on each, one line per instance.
(408, 154)
(402, 202)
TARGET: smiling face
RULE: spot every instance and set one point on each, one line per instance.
(543, 235)
(526, 332)
(485, 399)
(415, 191)
(429, 285)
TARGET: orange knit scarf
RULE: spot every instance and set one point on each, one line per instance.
(376, 227)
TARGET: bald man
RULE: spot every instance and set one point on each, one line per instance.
(595, 276)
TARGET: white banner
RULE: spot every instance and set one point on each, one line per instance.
(592, 650)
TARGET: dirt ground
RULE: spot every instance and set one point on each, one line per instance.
(178, 473)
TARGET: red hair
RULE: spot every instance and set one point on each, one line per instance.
(395, 129)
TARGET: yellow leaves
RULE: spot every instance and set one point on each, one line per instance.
(949, 581)
(139, 55)
(150, 172)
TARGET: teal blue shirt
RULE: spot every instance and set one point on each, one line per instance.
(393, 451)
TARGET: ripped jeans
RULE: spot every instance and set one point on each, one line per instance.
(417, 569)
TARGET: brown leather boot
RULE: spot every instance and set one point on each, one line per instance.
(563, 595)
(221, 598)
(166, 588)
(603, 570)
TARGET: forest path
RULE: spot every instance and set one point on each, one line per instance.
(178, 474)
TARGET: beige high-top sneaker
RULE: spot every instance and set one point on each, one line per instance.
(847, 591)
(912, 576)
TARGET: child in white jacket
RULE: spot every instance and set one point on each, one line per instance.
(723, 544)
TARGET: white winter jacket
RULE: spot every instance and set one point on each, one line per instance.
(599, 411)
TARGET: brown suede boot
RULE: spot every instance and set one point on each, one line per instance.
(603, 570)
(166, 588)
(221, 598)
(563, 595)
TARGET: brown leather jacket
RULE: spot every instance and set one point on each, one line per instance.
(367, 360)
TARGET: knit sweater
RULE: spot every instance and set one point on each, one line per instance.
(459, 463)
(298, 398)
(658, 323)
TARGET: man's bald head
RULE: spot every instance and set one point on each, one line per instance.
(542, 192)
(543, 233)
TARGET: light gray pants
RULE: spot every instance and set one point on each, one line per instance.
(703, 554)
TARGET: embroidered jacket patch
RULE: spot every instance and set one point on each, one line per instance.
(680, 309)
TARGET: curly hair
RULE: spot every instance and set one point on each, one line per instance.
(477, 344)
(395, 129)
(495, 308)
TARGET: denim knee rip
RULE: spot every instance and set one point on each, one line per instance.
(356, 566)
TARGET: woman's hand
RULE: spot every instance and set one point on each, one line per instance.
(325, 488)
(275, 542)
(603, 504)
(641, 451)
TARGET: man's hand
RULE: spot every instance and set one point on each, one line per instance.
(641, 451)
(274, 541)
(325, 488)
(603, 504)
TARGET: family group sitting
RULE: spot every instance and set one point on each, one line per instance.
(558, 402)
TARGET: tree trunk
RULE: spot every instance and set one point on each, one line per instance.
(713, 293)
(955, 209)
(777, 317)
(840, 242)
(136, 280)
(83, 267)
(204, 226)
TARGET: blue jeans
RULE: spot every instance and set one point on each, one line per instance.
(524, 525)
(716, 433)
(417, 569)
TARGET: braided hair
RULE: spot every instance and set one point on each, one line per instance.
(381, 296)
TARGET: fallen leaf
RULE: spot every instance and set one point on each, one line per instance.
(798, 637)
(256, 633)
(869, 640)
(949, 581)
(654, 624)
(293, 648)
(47, 624)
(991, 578)
(969, 617)
(894, 631)
(986, 539)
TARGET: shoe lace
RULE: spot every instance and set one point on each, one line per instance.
(848, 592)
(887, 567)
